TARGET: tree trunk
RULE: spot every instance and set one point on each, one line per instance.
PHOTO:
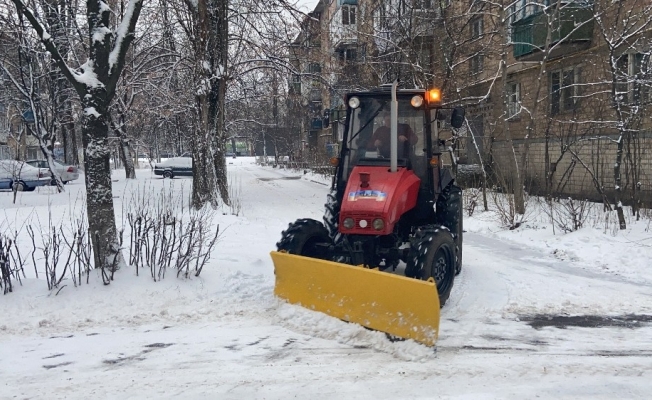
(99, 197)
(617, 180)
(69, 138)
(514, 173)
(203, 177)
(209, 164)
(220, 53)
(126, 157)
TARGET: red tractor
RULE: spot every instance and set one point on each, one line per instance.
(391, 199)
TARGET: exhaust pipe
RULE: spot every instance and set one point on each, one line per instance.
(393, 150)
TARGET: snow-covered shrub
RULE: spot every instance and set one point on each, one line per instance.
(166, 233)
(470, 199)
(505, 209)
(568, 214)
(11, 264)
(65, 252)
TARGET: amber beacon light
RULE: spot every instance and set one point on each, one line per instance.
(434, 96)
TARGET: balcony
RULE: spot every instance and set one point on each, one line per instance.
(574, 28)
(343, 26)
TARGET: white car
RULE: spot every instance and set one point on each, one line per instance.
(66, 172)
(19, 176)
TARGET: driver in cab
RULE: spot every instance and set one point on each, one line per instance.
(380, 140)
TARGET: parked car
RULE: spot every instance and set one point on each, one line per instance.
(21, 176)
(5, 183)
(67, 172)
(175, 166)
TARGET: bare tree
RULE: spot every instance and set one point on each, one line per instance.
(28, 71)
(623, 26)
(95, 83)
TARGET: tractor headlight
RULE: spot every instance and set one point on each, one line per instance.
(348, 223)
(416, 101)
(354, 102)
(379, 224)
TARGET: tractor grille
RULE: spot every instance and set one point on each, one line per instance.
(359, 217)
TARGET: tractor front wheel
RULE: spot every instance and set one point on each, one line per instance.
(432, 255)
(305, 237)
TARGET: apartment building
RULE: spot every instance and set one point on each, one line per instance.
(360, 44)
(561, 81)
(571, 82)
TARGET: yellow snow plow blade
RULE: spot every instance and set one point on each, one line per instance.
(402, 307)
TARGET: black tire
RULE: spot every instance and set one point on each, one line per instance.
(459, 241)
(305, 237)
(332, 216)
(331, 222)
(432, 255)
(167, 174)
(450, 214)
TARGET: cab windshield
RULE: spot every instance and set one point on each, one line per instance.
(368, 135)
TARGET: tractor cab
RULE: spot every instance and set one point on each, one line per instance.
(366, 145)
(367, 139)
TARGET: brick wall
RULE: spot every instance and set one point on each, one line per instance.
(570, 176)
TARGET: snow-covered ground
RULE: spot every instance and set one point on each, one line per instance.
(533, 314)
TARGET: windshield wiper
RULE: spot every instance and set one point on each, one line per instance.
(366, 123)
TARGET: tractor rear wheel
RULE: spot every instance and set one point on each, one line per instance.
(305, 237)
(432, 255)
(459, 241)
(450, 213)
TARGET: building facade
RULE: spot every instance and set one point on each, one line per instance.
(564, 85)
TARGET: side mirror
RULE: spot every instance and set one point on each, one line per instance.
(457, 119)
(326, 121)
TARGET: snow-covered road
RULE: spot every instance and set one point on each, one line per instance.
(515, 326)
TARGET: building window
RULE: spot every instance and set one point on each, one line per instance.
(513, 99)
(564, 90)
(315, 95)
(314, 68)
(522, 9)
(348, 55)
(477, 28)
(295, 83)
(477, 64)
(348, 15)
(634, 79)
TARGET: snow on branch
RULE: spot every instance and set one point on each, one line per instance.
(46, 39)
(126, 28)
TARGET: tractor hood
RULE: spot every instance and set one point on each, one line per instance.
(372, 193)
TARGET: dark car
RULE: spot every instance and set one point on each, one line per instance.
(176, 166)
